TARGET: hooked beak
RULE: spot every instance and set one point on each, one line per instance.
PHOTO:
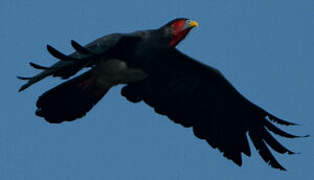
(193, 24)
(189, 24)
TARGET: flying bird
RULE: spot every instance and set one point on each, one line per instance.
(187, 91)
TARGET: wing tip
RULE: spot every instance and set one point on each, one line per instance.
(37, 66)
(23, 87)
(271, 127)
(57, 54)
(23, 78)
(80, 49)
(280, 121)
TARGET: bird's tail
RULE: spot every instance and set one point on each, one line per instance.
(68, 68)
(65, 68)
(71, 99)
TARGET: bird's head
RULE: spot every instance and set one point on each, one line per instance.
(177, 29)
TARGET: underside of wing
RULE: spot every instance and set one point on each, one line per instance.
(198, 96)
(72, 99)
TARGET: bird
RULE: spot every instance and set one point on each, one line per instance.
(174, 84)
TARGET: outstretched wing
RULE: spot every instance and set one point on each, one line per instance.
(69, 65)
(198, 96)
(74, 98)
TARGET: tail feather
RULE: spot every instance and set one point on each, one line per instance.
(70, 100)
(64, 69)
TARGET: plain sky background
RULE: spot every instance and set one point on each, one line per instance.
(265, 48)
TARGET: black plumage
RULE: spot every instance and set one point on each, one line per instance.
(188, 92)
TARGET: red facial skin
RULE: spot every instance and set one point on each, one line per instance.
(178, 32)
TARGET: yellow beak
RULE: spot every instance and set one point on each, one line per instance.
(193, 24)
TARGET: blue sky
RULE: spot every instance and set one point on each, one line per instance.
(265, 48)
